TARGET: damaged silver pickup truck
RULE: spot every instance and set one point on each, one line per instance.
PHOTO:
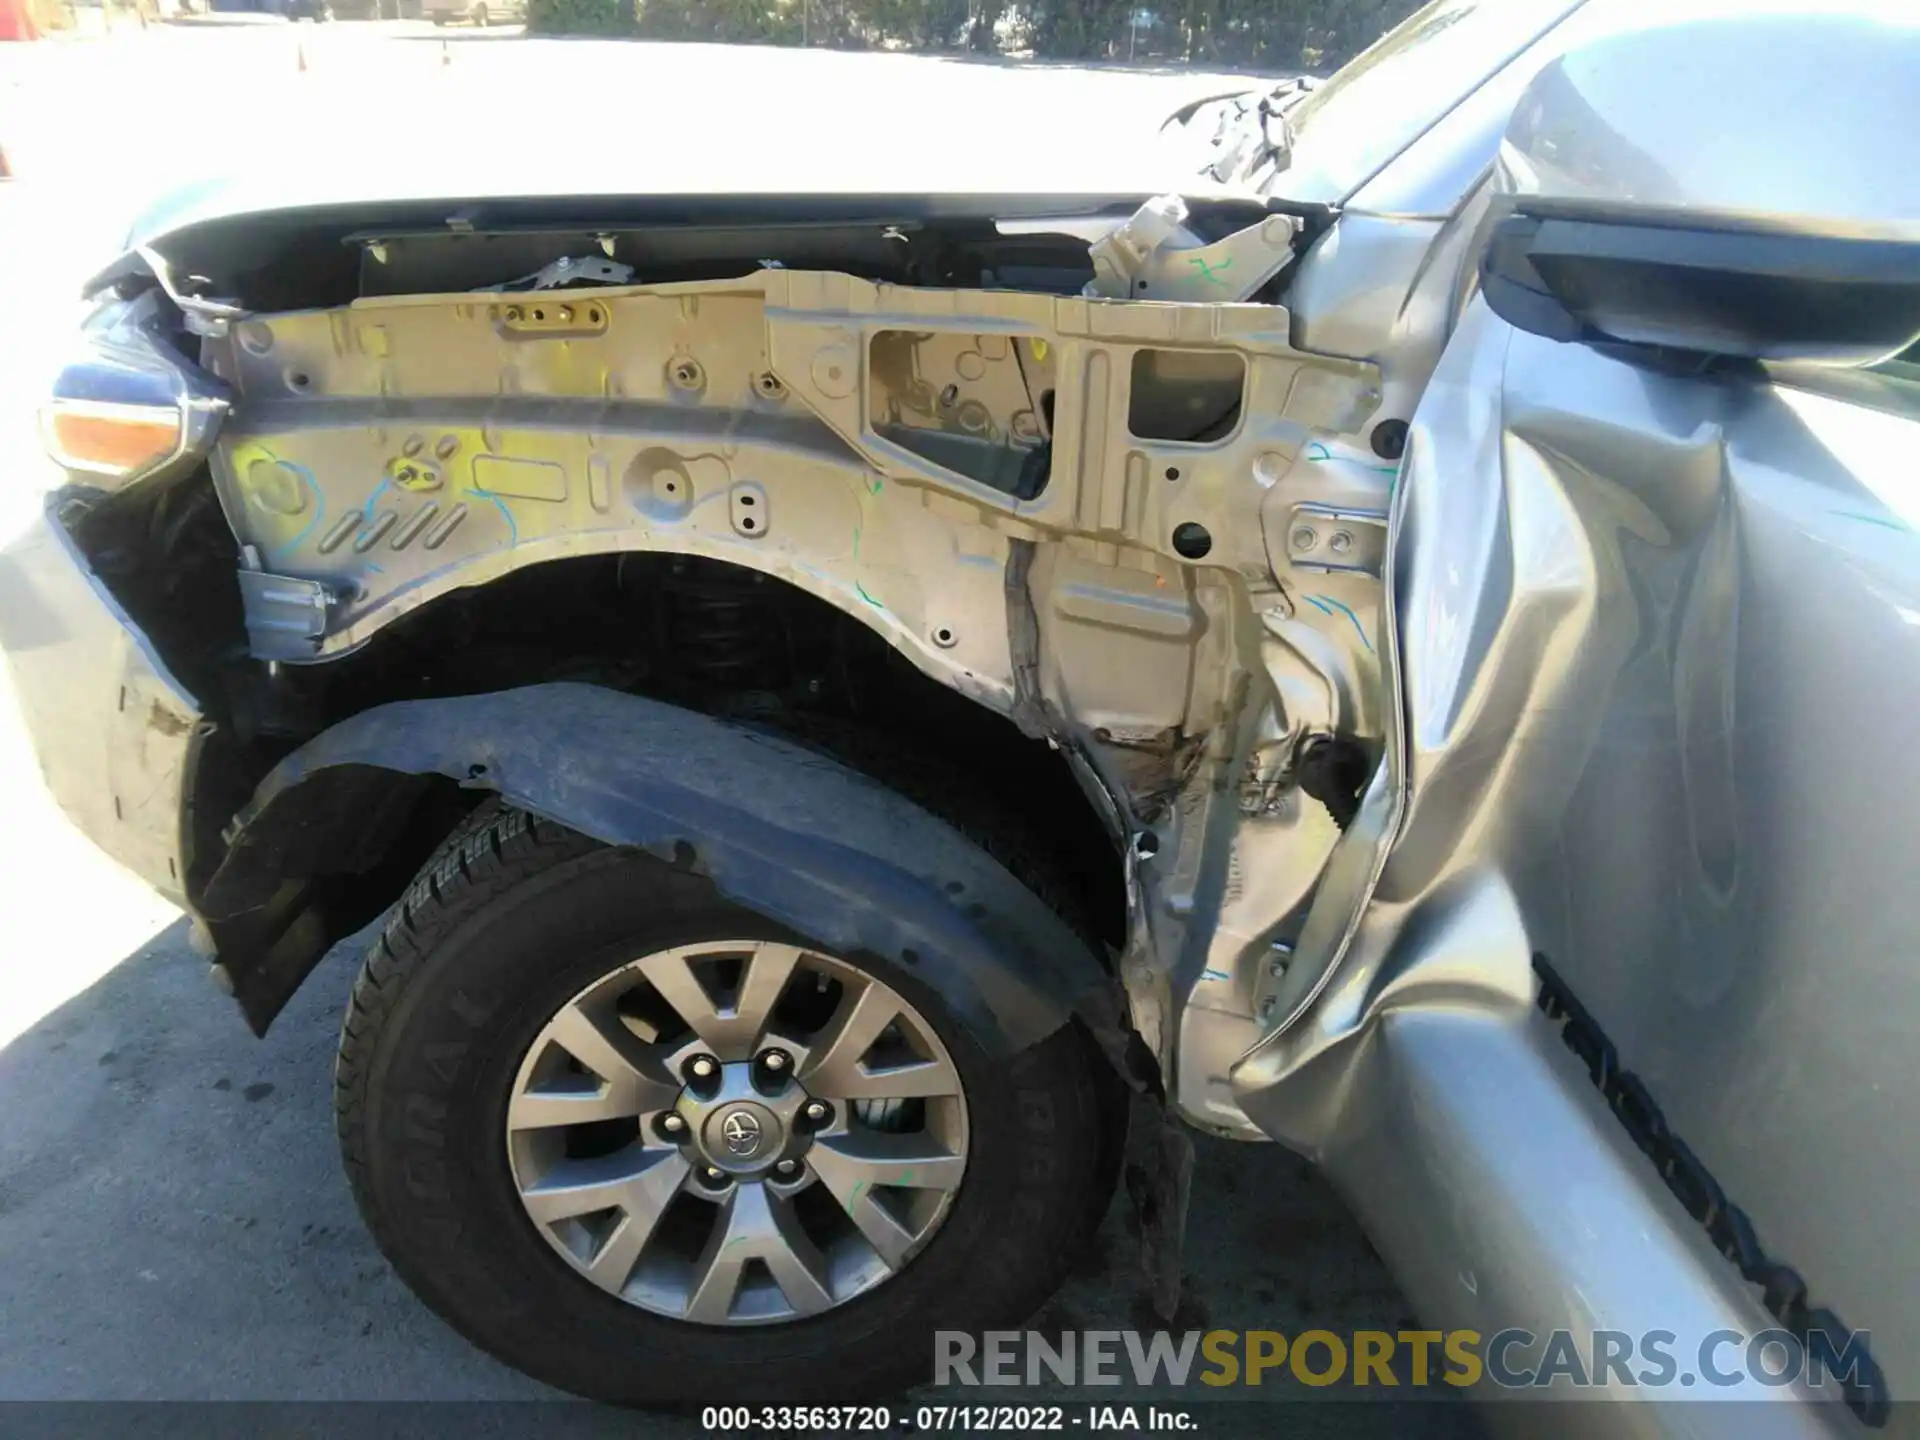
(1407, 650)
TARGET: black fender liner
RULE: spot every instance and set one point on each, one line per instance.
(822, 849)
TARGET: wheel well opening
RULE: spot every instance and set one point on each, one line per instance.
(727, 641)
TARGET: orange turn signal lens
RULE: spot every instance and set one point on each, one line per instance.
(111, 439)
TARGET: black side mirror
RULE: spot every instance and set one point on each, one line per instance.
(1725, 185)
(1713, 291)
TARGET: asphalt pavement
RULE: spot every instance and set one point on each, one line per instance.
(173, 1223)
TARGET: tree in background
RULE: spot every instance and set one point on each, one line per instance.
(1277, 36)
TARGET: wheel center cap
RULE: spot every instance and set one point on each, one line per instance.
(742, 1136)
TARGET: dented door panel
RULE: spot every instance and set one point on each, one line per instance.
(1654, 646)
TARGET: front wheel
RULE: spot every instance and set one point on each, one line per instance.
(647, 1146)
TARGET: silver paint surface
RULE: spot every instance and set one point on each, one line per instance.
(115, 733)
(1659, 646)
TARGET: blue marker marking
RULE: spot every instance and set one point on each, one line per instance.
(366, 510)
(1326, 605)
(513, 530)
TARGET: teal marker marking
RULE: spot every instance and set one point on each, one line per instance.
(1318, 454)
(312, 486)
(1882, 521)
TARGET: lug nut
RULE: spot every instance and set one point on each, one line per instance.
(774, 1060)
(672, 1124)
(816, 1110)
(702, 1067)
(714, 1175)
(788, 1167)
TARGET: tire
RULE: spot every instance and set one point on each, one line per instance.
(512, 922)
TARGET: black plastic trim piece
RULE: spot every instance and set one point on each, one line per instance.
(1783, 1292)
(1711, 290)
(828, 852)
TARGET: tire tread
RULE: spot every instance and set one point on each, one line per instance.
(494, 849)
(498, 849)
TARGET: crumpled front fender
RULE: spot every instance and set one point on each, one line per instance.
(791, 834)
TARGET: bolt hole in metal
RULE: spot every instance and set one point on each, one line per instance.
(1191, 540)
(945, 637)
(738, 1132)
(1389, 439)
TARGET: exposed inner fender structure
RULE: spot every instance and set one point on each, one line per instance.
(796, 836)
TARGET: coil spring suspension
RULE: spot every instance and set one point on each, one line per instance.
(722, 633)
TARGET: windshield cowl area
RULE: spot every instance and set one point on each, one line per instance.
(1337, 134)
(1246, 136)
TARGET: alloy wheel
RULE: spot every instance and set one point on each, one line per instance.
(737, 1132)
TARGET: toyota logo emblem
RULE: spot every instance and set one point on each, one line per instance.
(741, 1133)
